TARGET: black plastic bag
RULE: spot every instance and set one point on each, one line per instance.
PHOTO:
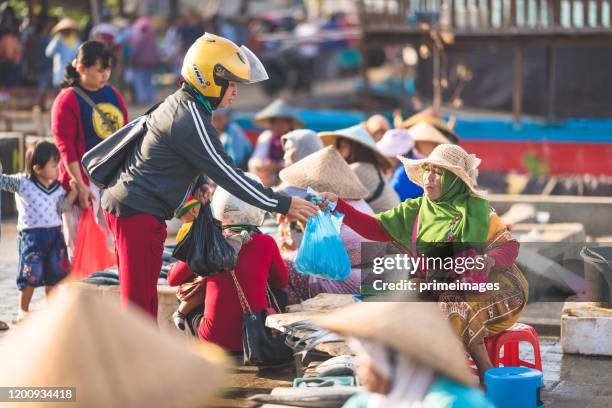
(204, 248)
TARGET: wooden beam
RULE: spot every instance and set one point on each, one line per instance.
(517, 93)
(555, 12)
(571, 13)
(538, 16)
(551, 80)
(489, 13)
(453, 16)
(598, 13)
(586, 13)
(437, 86)
(512, 13)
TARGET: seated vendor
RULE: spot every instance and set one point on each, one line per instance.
(453, 214)
(259, 263)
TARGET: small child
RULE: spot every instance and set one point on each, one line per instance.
(43, 260)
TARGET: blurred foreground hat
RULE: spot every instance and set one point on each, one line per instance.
(113, 357)
(415, 329)
(357, 134)
(277, 109)
(325, 170)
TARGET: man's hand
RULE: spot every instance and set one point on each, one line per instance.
(300, 210)
(203, 194)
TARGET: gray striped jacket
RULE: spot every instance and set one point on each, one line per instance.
(180, 144)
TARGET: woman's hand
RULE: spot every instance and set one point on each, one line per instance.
(300, 210)
(85, 196)
(327, 198)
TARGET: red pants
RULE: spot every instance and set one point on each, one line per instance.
(139, 245)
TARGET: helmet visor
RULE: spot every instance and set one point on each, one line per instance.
(257, 70)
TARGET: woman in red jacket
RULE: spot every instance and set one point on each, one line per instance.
(84, 113)
(259, 263)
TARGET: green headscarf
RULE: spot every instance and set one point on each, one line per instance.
(456, 216)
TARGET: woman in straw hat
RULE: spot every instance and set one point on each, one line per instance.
(399, 363)
(63, 47)
(359, 150)
(278, 118)
(452, 219)
(298, 144)
(324, 170)
(259, 263)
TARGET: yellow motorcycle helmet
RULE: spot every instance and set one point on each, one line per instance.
(212, 61)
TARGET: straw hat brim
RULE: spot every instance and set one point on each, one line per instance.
(414, 170)
(416, 329)
(325, 170)
(329, 139)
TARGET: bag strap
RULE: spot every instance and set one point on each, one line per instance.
(241, 297)
(92, 104)
(272, 299)
(379, 188)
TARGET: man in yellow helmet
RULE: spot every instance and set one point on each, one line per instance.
(167, 165)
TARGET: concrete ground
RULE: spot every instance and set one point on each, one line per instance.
(570, 380)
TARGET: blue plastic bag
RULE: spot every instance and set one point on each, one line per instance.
(322, 252)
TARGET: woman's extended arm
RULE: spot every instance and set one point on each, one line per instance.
(363, 224)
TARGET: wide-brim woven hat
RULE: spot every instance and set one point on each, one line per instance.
(416, 329)
(64, 24)
(451, 157)
(114, 357)
(360, 135)
(277, 109)
(325, 170)
(430, 117)
(395, 142)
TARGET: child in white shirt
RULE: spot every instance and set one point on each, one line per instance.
(43, 259)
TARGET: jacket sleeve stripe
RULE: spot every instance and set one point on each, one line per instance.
(231, 173)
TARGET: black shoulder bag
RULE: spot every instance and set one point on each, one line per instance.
(261, 348)
(102, 162)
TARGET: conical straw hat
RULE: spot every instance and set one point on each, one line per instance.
(424, 132)
(277, 109)
(430, 117)
(325, 170)
(451, 157)
(65, 23)
(416, 329)
(113, 357)
(357, 134)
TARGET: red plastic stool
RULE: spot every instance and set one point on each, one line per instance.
(509, 339)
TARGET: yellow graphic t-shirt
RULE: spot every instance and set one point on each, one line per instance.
(94, 127)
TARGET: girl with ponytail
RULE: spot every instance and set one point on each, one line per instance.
(85, 112)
